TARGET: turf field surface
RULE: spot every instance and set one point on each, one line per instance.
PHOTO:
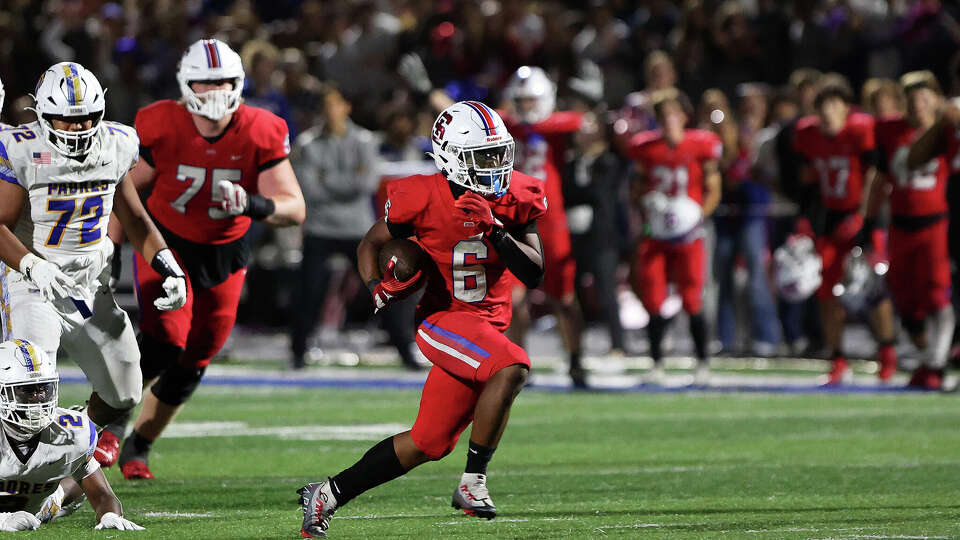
(667, 465)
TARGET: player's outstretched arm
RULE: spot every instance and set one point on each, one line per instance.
(146, 239)
(369, 250)
(711, 187)
(279, 185)
(933, 142)
(106, 504)
(44, 274)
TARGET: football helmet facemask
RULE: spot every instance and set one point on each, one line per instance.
(28, 389)
(210, 60)
(531, 83)
(69, 92)
(472, 148)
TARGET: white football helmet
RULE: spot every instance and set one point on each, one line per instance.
(797, 268)
(28, 389)
(472, 148)
(670, 217)
(863, 283)
(68, 91)
(530, 82)
(211, 60)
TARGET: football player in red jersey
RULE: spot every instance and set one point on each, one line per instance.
(839, 148)
(477, 220)
(542, 137)
(918, 228)
(213, 165)
(677, 186)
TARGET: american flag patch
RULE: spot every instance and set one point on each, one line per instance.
(41, 158)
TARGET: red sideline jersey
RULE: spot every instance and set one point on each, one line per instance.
(541, 148)
(836, 159)
(916, 193)
(678, 170)
(185, 199)
(472, 276)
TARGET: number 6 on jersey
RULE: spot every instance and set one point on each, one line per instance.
(469, 280)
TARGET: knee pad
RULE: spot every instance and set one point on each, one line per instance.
(156, 355)
(177, 384)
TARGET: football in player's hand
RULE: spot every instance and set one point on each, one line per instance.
(410, 257)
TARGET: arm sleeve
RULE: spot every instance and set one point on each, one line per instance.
(146, 154)
(7, 173)
(86, 465)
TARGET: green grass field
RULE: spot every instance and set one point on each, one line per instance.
(689, 465)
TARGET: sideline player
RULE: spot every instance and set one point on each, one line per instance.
(213, 165)
(543, 136)
(476, 222)
(678, 186)
(839, 147)
(43, 444)
(62, 176)
(918, 229)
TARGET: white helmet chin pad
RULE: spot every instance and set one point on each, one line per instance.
(69, 92)
(532, 83)
(28, 389)
(210, 60)
(472, 148)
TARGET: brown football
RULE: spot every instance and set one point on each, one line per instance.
(410, 257)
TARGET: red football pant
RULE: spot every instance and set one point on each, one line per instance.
(659, 263)
(560, 268)
(833, 250)
(465, 351)
(919, 275)
(201, 326)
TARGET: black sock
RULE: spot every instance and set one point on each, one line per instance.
(135, 447)
(574, 362)
(379, 465)
(655, 330)
(477, 458)
(698, 329)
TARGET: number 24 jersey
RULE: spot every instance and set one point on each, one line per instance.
(470, 269)
(185, 197)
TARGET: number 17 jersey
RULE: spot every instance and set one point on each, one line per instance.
(185, 198)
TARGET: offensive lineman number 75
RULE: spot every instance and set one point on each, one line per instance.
(195, 177)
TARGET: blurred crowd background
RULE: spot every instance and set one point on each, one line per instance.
(376, 67)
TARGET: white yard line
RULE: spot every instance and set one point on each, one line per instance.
(359, 432)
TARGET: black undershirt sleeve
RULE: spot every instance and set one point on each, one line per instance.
(147, 155)
(267, 164)
(526, 270)
(400, 230)
(870, 158)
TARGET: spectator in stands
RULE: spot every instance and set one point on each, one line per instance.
(593, 194)
(741, 231)
(336, 163)
(260, 89)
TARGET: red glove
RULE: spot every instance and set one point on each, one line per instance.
(390, 287)
(473, 207)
